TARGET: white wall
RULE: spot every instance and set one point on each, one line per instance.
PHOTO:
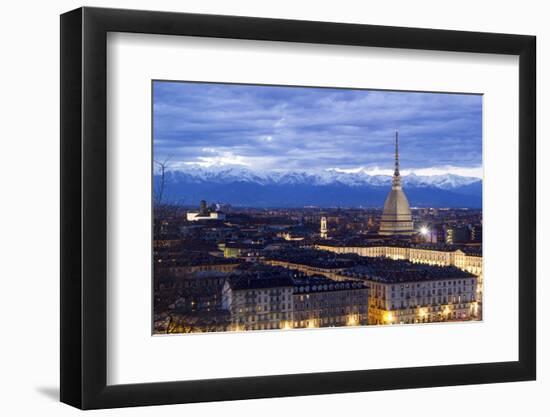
(29, 101)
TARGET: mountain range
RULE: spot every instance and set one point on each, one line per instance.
(240, 186)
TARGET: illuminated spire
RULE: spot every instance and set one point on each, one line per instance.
(396, 176)
(396, 153)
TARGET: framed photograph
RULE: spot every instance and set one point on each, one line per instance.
(257, 208)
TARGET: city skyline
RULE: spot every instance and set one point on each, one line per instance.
(274, 208)
(268, 128)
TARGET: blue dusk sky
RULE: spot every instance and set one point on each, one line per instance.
(310, 129)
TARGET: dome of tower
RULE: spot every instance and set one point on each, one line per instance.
(396, 217)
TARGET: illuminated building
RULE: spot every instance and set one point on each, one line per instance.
(458, 234)
(324, 228)
(396, 217)
(401, 292)
(416, 302)
(204, 214)
(290, 237)
(321, 302)
(284, 302)
(469, 260)
(476, 233)
(257, 303)
(464, 258)
(370, 223)
(242, 250)
(167, 242)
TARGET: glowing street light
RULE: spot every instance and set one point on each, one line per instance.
(424, 231)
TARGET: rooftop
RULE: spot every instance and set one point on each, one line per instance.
(316, 284)
(251, 281)
(188, 258)
(242, 245)
(442, 247)
(390, 271)
(472, 250)
(277, 277)
(315, 258)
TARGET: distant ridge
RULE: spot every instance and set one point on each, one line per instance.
(240, 186)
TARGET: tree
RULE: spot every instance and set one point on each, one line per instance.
(159, 194)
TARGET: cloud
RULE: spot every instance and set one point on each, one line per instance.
(281, 128)
(226, 158)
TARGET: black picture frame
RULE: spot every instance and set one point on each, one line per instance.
(84, 207)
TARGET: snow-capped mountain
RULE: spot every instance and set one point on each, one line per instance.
(231, 174)
(241, 186)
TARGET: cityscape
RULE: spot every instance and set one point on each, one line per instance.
(240, 244)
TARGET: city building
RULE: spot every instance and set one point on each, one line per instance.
(396, 217)
(465, 258)
(311, 262)
(196, 291)
(204, 213)
(294, 233)
(476, 233)
(458, 234)
(468, 259)
(401, 292)
(186, 262)
(267, 298)
(324, 228)
(321, 302)
(281, 268)
(259, 302)
(250, 251)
